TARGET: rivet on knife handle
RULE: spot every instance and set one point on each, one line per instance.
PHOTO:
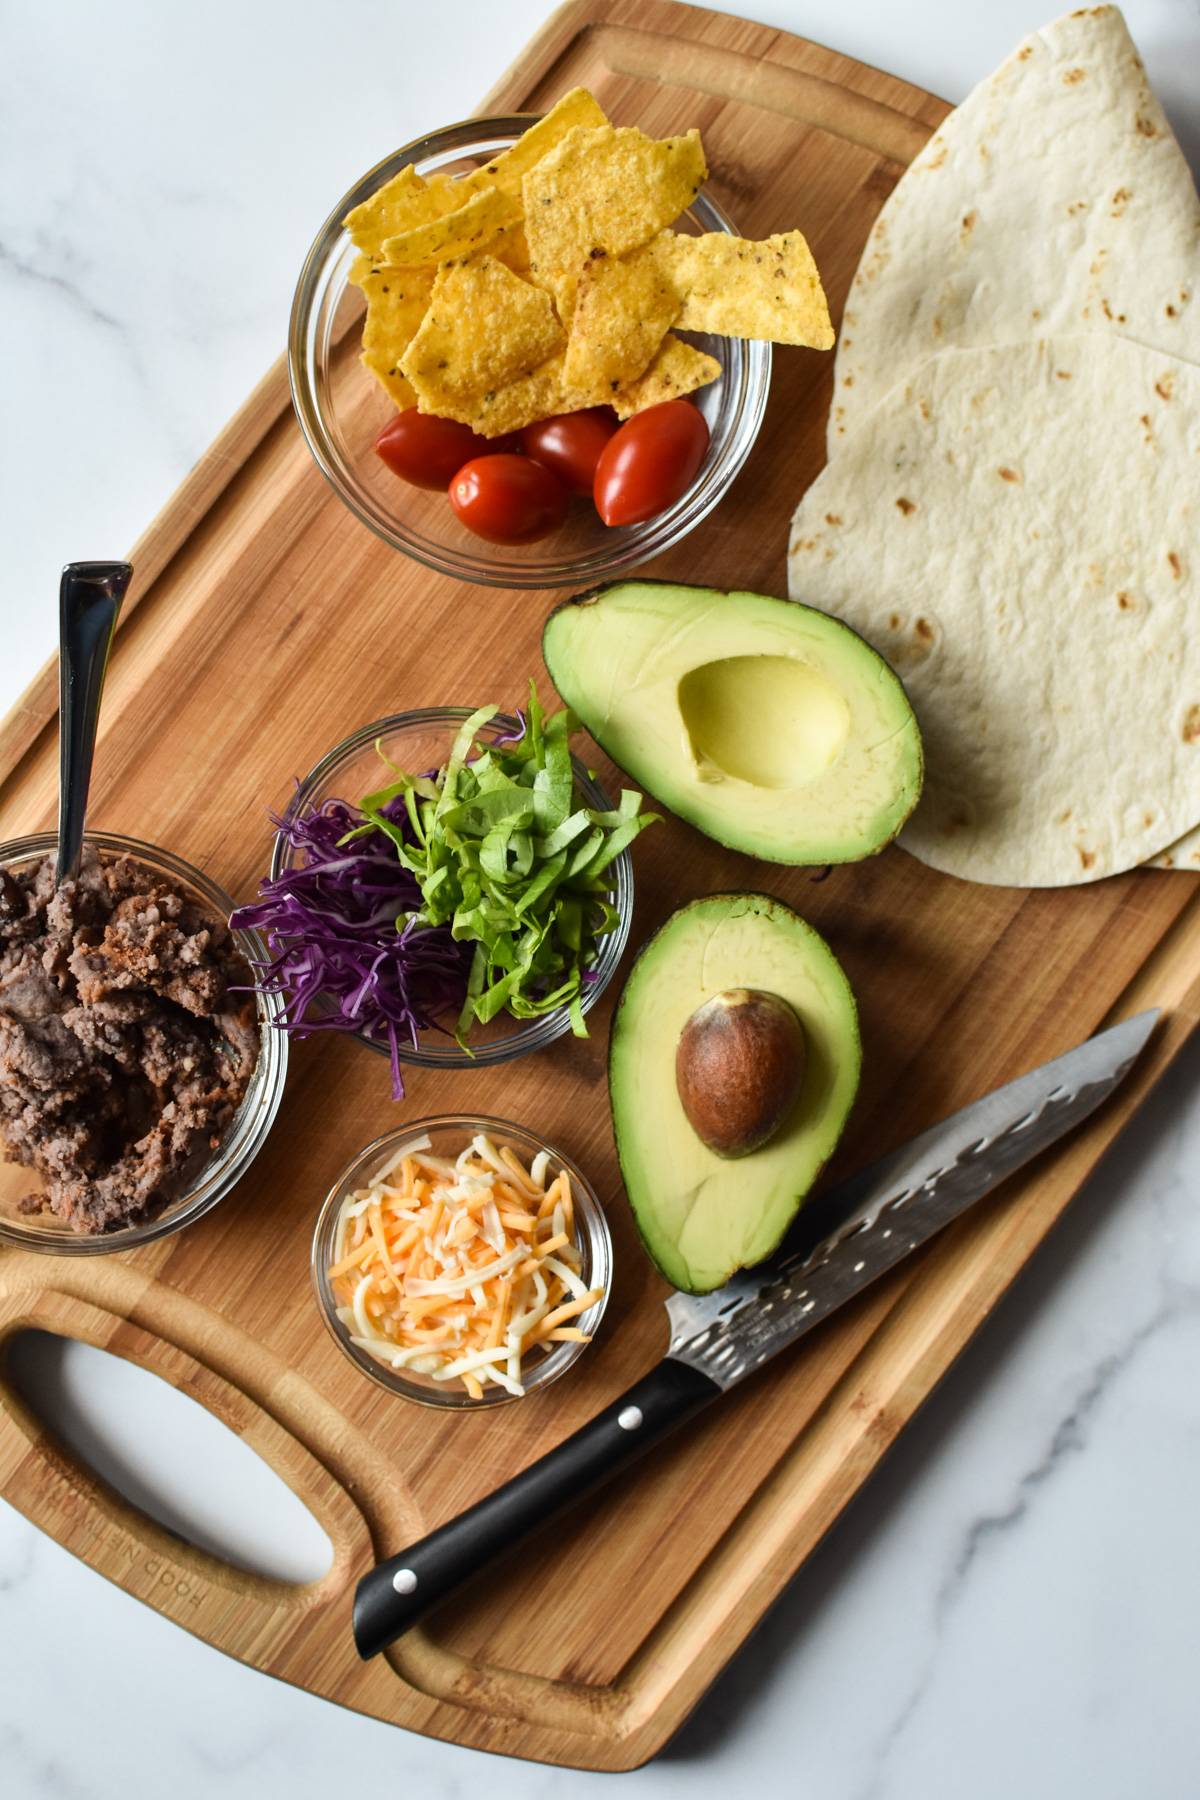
(393, 1596)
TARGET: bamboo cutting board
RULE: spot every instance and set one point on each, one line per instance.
(264, 625)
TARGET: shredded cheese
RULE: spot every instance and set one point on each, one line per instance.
(457, 1270)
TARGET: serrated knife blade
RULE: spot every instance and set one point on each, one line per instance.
(858, 1231)
(840, 1244)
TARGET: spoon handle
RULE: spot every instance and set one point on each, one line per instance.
(89, 599)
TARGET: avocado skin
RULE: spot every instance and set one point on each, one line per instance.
(846, 812)
(702, 1216)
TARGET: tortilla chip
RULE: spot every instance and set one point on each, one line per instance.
(678, 369)
(388, 375)
(403, 202)
(508, 170)
(623, 309)
(397, 301)
(458, 233)
(511, 247)
(407, 202)
(565, 227)
(735, 288)
(485, 328)
(542, 394)
(611, 189)
(538, 395)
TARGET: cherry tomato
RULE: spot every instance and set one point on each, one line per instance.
(428, 452)
(650, 462)
(508, 499)
(570, 445)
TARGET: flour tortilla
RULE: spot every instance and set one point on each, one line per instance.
(1183, 854)
(1054, 199)
(1016, 530)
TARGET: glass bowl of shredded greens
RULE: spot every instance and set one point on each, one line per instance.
(451, 887)
(462, 1262)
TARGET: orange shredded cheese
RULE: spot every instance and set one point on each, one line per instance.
(457, 1270)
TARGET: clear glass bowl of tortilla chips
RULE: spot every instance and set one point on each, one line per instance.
(497, 1298)
(342, 406)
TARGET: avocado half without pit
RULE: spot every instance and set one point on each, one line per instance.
(715, 1179)
(768, 725)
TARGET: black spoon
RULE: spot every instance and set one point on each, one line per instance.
(89, 599)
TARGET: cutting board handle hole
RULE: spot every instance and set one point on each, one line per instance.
(168, 1456)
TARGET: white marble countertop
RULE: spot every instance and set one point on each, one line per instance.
(1010, 1608)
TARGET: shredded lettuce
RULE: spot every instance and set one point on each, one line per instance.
(505, 857)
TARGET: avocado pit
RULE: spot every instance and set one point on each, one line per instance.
(739, 1068)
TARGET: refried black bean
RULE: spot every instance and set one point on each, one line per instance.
(124, 1052)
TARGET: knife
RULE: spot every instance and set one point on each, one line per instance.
(839, 1244)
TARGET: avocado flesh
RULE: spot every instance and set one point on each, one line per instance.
(702, 1216)
(766, 724)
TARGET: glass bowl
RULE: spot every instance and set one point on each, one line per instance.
(417, 742)
(241, 1142)
(341, 407)
(447, 1135)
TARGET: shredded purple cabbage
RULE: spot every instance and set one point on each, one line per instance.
(507, 737)
(330, 923)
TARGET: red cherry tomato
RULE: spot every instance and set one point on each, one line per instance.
(650, 462)
(428, 452)
(570, 445)
(508, 499)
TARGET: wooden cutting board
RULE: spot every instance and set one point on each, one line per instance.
(265, 624)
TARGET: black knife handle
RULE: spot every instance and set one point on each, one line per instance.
(400, 1591)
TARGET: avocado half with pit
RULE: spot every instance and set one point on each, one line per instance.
(702, 1215)
(770, 726)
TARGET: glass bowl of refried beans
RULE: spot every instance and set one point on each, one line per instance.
(139, 1075)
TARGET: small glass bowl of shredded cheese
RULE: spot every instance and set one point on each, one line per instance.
(462, 1262)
